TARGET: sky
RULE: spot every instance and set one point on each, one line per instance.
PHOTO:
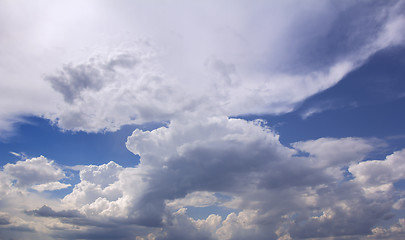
(216, 120)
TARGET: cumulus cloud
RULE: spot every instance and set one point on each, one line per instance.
(377, 176)
(125, 88)
(195, 69)
(275, 181)
(17, 182)
(197, 229)
(377, 172)
(34, 171)
(72, 80)
(395, 232)
(96, 186)
(153, 64)
(272, 189)
(327, 152)
(269, 189)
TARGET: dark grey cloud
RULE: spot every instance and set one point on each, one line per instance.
(46, 211)
(91, 76)
(210, 165)
(349, 213)
(98, 227)
(4, 221)
(123, 232)
(12, 232)
(264, 175)
(97, 233)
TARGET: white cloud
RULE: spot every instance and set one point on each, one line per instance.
(16, 195)
(34, 171)
(195, 199)
(97, 183)
(196, 229)
(102, 175)
(51, 186)
(15, 154)
(400, 204)
(394, 232)
(378, 172)
(273, 191)
(328, 152)
(214, 60)
(238, 226)
(150, 63)
(378, 176)
(209, 154)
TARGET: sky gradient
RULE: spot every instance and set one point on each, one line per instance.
(219, 120)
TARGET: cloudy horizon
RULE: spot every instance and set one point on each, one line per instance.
(214, 120)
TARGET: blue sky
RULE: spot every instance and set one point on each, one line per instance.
(202, 120)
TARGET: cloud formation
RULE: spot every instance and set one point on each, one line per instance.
(46, 211)
(271, 190)
(33, 171)
(192, 66)
(153, 64)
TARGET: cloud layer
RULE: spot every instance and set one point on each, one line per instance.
(273, 191)
(150, 63)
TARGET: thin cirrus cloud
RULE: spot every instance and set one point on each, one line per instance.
(194, 65)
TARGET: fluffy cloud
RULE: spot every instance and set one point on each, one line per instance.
(34, 171)
(20, 179)
(125, 88)
(272, 189)
(377, 172)
(96, 188)
(328, 152)
(16, 196)
(195, 69)
(73, 80)
(395, 232)
(276, 184)
(269, 189)
(152, 64)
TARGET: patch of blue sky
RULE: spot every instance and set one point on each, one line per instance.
(346, 174)
(400, 184)
(36, 136)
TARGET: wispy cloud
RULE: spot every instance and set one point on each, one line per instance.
(15, 154)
